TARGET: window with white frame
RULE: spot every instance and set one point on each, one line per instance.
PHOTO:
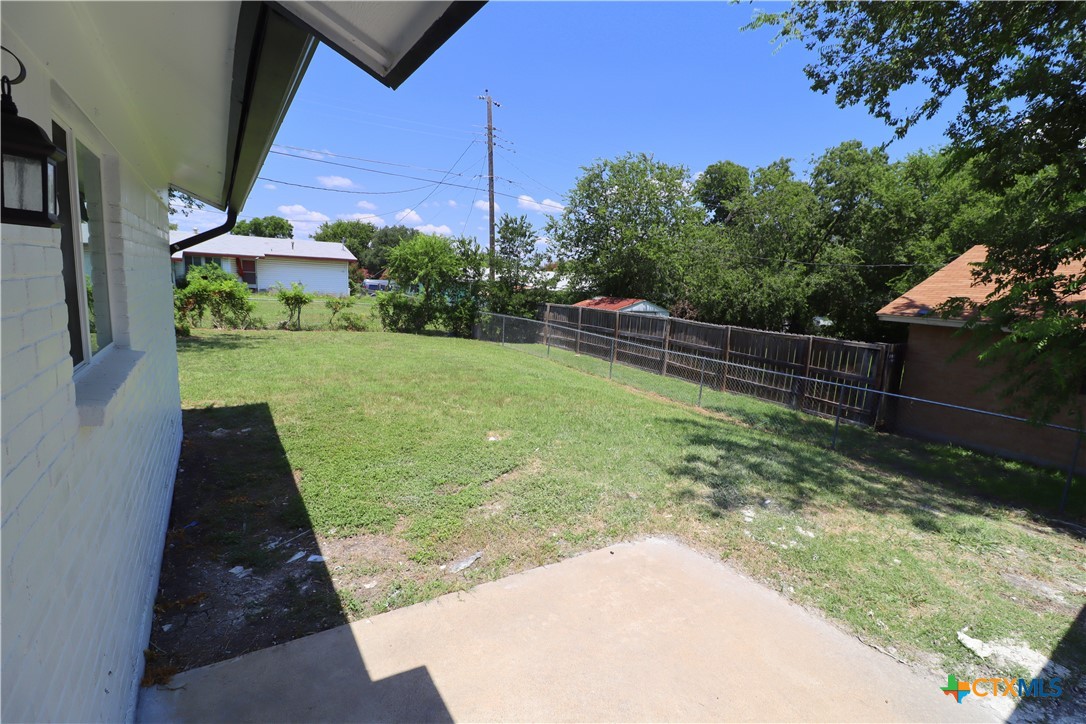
(83, 247)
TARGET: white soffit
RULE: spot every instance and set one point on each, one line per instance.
(154, 78)
(377, 34)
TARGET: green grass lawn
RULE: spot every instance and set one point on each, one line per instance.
(430, 448)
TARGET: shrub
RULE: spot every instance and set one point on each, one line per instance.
(401, 313)
(337, 305)
(353, 322)
(293, 299)
(461, 316)
(209, 289)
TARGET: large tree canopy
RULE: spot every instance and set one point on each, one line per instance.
(618, 233)
(270, 227)
(355, 235)
(1020, 70)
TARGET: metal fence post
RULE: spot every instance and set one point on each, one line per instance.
(701, 382)
(611, 367)
(503, 330)
(837, 419)
(1070, 472)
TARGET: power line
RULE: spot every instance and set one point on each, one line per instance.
(457, 161)
(356, 111)
(471, 208)
(537, 182)
(386, 173)
(343, 191)
(358, 158)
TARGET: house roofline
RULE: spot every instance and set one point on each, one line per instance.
(450, 21)
(929, 321)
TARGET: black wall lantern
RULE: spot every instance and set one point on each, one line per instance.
(29, 165)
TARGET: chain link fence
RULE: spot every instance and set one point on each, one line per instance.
(725, 388)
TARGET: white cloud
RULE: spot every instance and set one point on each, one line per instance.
(301, 213)
(546, 206)
(367, 205)
(485, 206)
(270, 187)
(442, 230)
(368, 218)
(304, 221)
(408, 216)
(335, 182)
(452, 204)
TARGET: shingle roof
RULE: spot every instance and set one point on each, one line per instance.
(257, 247)
(613, 304)
(953, 280)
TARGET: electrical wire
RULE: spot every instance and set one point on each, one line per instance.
(535, 181)
(343, 191)
(358, 158)
(387, 173)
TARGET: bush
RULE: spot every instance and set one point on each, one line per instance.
(337, 305)
(293, 299)
(401, 313)
(209, 289)
(353, 322)
(461, 316)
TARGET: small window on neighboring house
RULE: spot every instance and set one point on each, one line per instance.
(83, 248)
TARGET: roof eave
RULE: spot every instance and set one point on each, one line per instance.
(930, 321)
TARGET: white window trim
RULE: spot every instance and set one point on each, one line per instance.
(98, 378)
(79, 130)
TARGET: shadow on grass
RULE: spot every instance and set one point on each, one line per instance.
(786, 456)
(216, 341)
(237, 577)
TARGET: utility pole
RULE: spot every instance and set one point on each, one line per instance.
(490, 103)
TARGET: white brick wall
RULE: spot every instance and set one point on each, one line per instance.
(84, 508)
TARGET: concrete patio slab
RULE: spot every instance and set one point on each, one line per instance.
(645, 631)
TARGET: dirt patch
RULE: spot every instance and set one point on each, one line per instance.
(1049, 596)
(242, 568)
(534, 466)
(365, 549)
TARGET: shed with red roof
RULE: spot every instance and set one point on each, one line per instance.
(625, 305)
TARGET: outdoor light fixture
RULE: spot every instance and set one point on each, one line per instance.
(30, 164)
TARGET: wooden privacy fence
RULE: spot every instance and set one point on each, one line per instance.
(819, 375)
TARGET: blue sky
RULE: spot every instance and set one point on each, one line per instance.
(576, 82)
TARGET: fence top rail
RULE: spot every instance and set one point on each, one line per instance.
(792, 376)
(709, 325)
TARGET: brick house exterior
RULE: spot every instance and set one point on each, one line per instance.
(934, 371)
(142, 96)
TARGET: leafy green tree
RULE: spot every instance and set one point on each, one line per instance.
(724, 190)
(519, 280)
(269, 227)
(1018, 68)
(622, 230)
(355, 235)
(293, 299)
(335, 305)
(374, 258)
(422, 262)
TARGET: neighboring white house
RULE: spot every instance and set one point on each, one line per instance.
(262, 263)
(141, 96)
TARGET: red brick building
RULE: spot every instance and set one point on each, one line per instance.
(933, 372)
